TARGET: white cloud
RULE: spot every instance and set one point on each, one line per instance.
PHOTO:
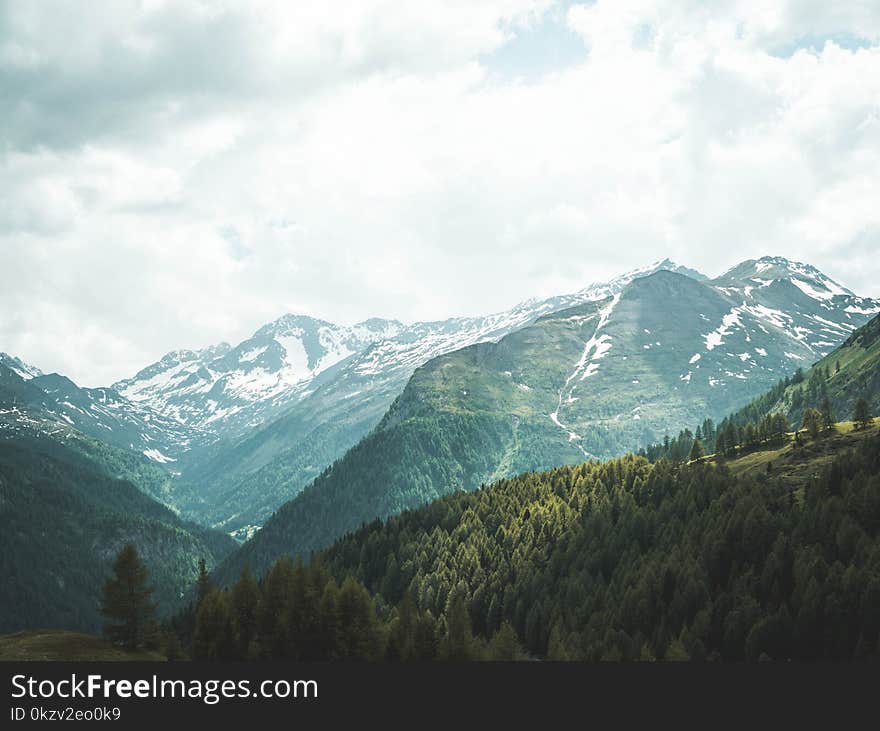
(175, 174)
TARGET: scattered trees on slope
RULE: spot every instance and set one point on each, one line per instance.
(862, 414)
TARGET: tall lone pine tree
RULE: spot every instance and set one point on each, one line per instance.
(126, 603)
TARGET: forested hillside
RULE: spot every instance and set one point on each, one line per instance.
(592, 381)
(775, 555)
(64, 513)
(623, 560)
(440, 435)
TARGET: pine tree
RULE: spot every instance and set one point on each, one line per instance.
(730, 438)
(696, 451)
(203, 583)
(720, 444)
(126, 601)
(425, 646)
(676, 652)
(359, 637)
(458, 642)
(245, 600)
(505, 645)
(812, 422)
(329, 630)
(213, 638)
(862, 414)
(274, 610)
(556, 649)
(403, 631)
(779, 427)
(827, 415)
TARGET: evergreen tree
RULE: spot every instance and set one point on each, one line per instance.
(203, 583)
(827, 415)
(505, 645)
(244, 606)
(556, 649)
(214, 635)
(329, 626)
(696, 451)
(731, 439)
(425, 647)
(359, 632)
(676, 652)
(862, 414)
(458, 643)
(812, 422)
(401, 641)
(126, 602)
(275, 609)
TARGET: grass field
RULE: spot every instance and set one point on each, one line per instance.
(50, 644)
(798, 463)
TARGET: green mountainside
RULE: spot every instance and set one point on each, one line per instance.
(773, 555)
(64, 514)
(628, 560)
(850, 373)
(592, 381)
(420, 452)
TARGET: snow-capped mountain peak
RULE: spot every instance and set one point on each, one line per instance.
(244, 385)
(601, 290)
(17, 365)
(762, 272)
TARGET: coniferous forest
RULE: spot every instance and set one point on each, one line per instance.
(621, 560)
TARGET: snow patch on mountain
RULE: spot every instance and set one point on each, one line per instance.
(716, 337)
(595, 349)
(157, 456)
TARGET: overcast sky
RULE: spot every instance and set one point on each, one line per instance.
(174, 174)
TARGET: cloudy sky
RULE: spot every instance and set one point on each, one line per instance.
(173, 174)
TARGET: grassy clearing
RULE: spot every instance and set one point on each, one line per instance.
(799, 462)
(53, 645)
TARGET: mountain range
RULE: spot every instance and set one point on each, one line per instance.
(241, 430)
(588, 382)
(308, 430)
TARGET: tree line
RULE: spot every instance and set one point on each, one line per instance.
(621, 560)
(298, 612)
(753, 427)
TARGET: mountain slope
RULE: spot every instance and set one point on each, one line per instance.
(241, 386)
(19, 367)
(629, 561)
(244, 476)
(745, 329)
(27, 395)
(63, 518)
(245, 428)
(844, 376)
(590, 381)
